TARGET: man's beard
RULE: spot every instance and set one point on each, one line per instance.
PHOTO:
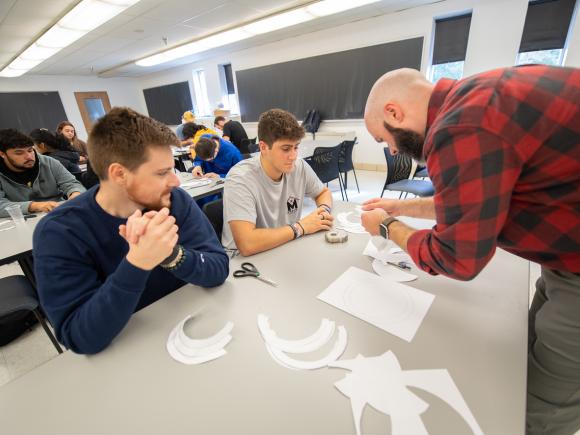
(155, 205)
(20, 167)
(408, 142)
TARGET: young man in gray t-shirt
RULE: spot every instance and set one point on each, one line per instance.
(263, 195)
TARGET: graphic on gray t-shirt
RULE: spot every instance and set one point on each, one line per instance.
(250, 195)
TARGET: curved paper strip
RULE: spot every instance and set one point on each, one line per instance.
(200, 344)
(178, 356)
(338, 349)
(305, 345)
(197, 352)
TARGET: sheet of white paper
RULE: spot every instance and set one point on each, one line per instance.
(350, 222)
(195, 183)
(391, 272)
(390, 306)
(380, 382)
(386, 252)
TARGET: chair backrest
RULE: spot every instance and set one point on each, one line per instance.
(253, 147)
(324, 162)
(398, 167)
(345, 163)
(214, 210)
(244, 146)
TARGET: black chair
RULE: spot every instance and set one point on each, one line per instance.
(324, 162)
(17, 294)
(253, 147)
(345, 163)
(398, 170)
(214, 211)
(421, 172)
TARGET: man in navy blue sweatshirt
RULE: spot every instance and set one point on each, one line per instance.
(125, 243)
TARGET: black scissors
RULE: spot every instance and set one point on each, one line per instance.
(248, 269)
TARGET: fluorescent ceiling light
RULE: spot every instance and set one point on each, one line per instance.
(269, 24)
(83, 18)
(204, 44)
(279, 21)
(329, 7)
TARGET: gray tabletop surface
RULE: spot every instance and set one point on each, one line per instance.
(17, 239)
(476, 330)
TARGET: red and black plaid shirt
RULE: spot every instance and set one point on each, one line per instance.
(503, 152)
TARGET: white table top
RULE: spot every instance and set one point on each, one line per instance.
(17, 240)
(477, 330)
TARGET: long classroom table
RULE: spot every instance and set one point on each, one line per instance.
(477, 330)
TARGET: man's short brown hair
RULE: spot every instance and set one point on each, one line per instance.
(124, 136)
(276, 124)
(205, 147)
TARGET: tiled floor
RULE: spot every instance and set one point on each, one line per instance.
(34, 348)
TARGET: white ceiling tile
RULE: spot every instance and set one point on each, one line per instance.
(139, 31)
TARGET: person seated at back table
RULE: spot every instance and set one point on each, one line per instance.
(192, 132)
(214, 157)
(35, 182)
(231, 130)
(264, 195)
(125, 243)
(58, 147)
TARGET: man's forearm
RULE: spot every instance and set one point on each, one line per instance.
(400, 233)
(418, 208)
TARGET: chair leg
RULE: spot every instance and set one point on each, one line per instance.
(342, 192)
(345, 180)
(354, 172)
(406, 194)
(41, 320)
(27, 266)
(401, 194)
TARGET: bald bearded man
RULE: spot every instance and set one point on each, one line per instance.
(503, 152)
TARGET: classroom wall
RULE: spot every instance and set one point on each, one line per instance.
(121, 92)
(494, 40)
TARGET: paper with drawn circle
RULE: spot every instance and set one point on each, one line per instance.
(395, 308)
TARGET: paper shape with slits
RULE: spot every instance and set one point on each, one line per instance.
(380, 382)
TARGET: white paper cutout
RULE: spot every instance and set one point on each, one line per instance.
(189, 351)
(305, 345)
(380, 382)
(391, 272)
(291, 363)
(395, 308)
(352, 225)
(387, 251)
(278, 347)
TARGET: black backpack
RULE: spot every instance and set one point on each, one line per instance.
(312, 121)
(13, 325)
